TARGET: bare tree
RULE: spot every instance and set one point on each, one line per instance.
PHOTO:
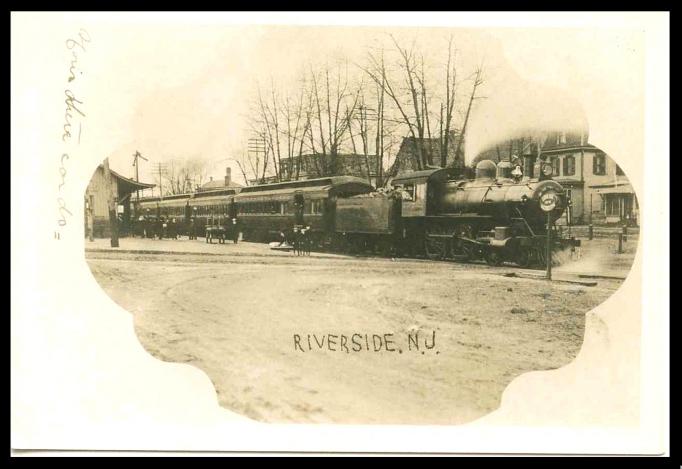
(450, 87)
(478, 81)
(379, 138)
(184, 175)
(333, 105)
(379, 73)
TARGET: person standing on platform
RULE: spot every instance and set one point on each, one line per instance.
(173, 229)
(192, 229)
(296, 241)
(307, 241)
(235, 231)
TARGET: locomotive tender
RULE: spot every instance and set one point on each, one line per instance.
(494, 217)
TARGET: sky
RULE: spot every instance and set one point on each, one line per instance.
(179, 91)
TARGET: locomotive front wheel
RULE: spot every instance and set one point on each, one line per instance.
(434, 248)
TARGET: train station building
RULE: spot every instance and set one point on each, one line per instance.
(109, 193)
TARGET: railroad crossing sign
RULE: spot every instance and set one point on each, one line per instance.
(548, 201)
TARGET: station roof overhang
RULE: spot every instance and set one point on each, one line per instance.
(128, 186)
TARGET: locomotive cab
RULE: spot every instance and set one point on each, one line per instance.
(420, 191)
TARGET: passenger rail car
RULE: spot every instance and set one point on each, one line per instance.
(265, 211)
(206, 208)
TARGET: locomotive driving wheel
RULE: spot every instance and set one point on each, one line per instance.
(435, 244)
(494, 257)
(460, 246)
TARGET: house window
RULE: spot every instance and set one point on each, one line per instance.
(561, 138)
(619, 171)
(556, 165)
(599, 165)
(569, 165)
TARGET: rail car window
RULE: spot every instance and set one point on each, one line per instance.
(315, 207)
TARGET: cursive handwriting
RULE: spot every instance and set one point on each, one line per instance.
(63, 211)
(71, 106)
(72, 117)
(62, 171)
(76, 46)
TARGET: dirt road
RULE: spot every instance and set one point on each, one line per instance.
(269, 331)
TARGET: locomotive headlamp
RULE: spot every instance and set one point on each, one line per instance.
(547, 170)
(549, 200)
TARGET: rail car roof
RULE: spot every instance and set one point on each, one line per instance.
(440, 174)
(197, 195)
(283, 194)
(160, 199)
(193, 195)
(323, 186)
(333, 181)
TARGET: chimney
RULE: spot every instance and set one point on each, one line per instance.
(228, 176)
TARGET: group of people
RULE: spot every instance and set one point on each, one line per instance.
(163, 227)
(158, 228)
(299, 240)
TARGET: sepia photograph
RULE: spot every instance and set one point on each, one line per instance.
(393, 226)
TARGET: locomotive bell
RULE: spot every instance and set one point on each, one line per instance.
(486, 169)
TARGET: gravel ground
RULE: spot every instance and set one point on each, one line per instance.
(237, 317)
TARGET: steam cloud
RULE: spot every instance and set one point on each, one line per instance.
(516, 109)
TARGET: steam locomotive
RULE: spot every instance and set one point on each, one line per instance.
(495, 217)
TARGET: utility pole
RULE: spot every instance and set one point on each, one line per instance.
(137, 156)
(257, 146)
(548, 201)
(161, 170)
